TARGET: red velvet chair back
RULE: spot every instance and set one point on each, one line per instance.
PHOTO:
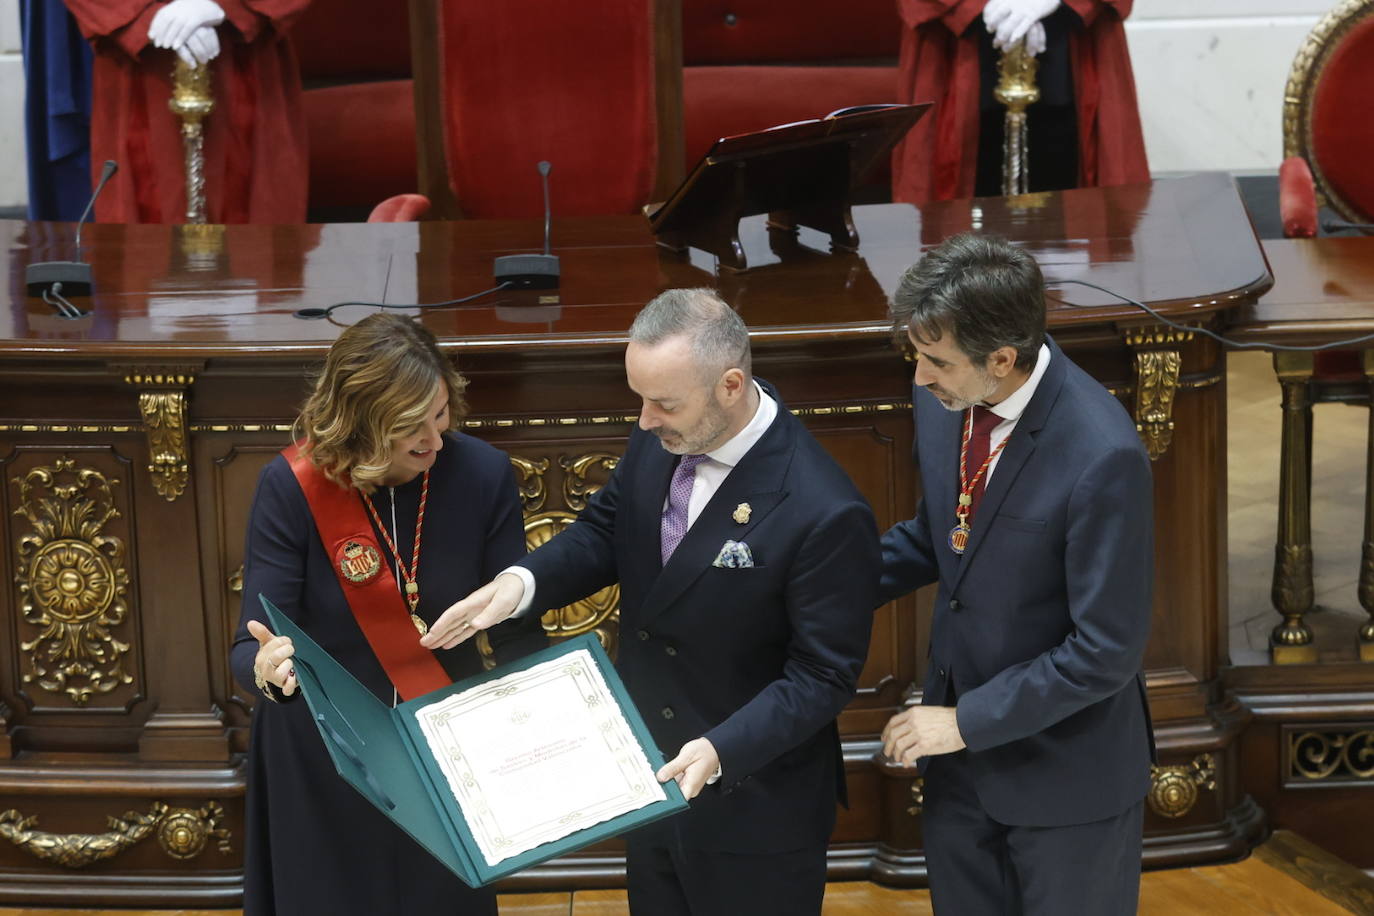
(358, 101)
(572, 83)
(751, 64)
(352, 40)
(1328, 116)
(773, 32)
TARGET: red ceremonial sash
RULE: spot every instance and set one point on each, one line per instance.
(368, 584)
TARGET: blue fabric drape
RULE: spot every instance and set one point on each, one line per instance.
(57, 110)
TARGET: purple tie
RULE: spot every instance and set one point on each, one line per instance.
(674, 522)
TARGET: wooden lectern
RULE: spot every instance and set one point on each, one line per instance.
(800, 174)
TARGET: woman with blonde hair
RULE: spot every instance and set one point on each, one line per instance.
(378, 518)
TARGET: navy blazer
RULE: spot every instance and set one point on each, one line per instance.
(758, 660)
(1040, 626)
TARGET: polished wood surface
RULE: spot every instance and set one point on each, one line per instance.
(197, 324)
(1183, 246)
(1323, 291)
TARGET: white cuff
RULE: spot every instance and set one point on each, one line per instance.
(527, 578)
(715, 777)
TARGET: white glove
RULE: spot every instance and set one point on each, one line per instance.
(176, 22)
(1035, 39)
(1008, 20)
(201, 48)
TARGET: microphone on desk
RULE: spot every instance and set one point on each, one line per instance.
(531, 271)
(1336, 225)
(55, 280)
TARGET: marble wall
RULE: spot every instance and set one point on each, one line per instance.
(1210, 76)
(13, 187)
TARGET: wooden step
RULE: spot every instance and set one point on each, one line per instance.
(1286, 876)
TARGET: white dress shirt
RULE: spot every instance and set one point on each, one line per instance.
(710, 474)
(1012, 406)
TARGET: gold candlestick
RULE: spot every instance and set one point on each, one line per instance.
(1016, 90)
(192, 101)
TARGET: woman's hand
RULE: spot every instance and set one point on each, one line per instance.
(273, 662)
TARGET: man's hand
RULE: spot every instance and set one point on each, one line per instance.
(1012, 20)
(273, 661)
(176, 22)
(922, 731)
(693, 765)
(486, 607)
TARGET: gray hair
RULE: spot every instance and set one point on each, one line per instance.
(719, 339)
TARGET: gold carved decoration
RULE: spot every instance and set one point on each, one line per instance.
(1016, 89)
(164, 417)
(533, 491)
(1157, 380)
(77, 850)
(182, 833)
(235, 581)
(162, 403)
(1174, 789)
(597, 613)
(1303, 77)
(1345, 755)
(1157, 364)
(72, 581)
(918, 796)
(576, 487)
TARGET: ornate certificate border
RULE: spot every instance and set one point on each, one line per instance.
(497, 817)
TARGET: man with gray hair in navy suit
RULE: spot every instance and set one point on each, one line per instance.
(748, 567)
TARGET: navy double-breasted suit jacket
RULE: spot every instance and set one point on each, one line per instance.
(758, 660)
(1040, 626)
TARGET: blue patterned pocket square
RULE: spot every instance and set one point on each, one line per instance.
(734, 555)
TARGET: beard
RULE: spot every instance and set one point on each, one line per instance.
(964, 400)
(700, 438)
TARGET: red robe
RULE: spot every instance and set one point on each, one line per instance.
(254, 146)
(938, 159)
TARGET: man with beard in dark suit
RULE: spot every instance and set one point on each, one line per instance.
(748, 568)
(1034, 730)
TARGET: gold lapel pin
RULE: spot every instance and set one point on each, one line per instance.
(742, 512)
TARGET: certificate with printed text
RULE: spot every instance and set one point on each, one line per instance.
(538, 754)
(501, 771)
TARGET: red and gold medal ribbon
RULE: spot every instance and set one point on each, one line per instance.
(411, 572)
(367, 583)
(958, 536)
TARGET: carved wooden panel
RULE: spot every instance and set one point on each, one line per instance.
(71, 544)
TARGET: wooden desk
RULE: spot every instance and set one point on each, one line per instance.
(161, 407)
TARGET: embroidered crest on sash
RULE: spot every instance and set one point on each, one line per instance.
(359, 562)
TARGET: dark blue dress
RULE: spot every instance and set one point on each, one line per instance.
(314, 845)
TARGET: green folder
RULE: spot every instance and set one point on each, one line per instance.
(382, 753)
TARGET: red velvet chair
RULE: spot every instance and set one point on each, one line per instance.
(590, 87)
(359, 105)
(1327, 136)
(752, 64)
